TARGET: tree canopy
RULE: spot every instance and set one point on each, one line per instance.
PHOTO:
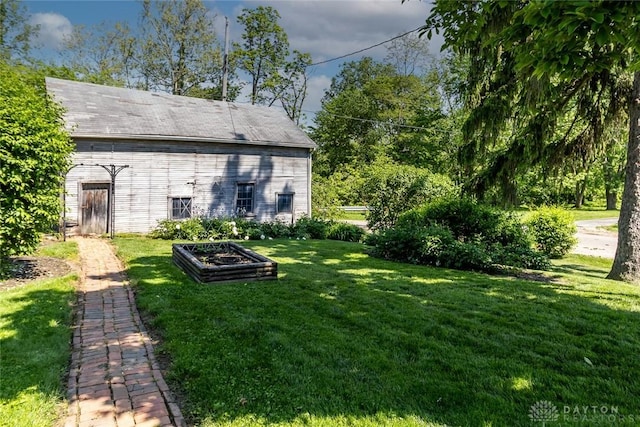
(547, 79)
(16, 34)
(374, 109)
(178, 50)
(263, 51)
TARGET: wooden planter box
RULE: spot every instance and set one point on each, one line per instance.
(254, 267)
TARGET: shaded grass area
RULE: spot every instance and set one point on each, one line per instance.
(35, 330)
(345, 339)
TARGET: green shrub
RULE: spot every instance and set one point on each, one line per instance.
(311, 228)
(470, 221)
(432, 245)
(398, 244)
(254, 233)
(465, 218)
(469, 256)
(345, 232)
(276, 229)
(215, 228)
(520, 256)
(191, 229)
(553, 231)
(392, 189)
(166, 229)
(199, 228)
(416, 245)
(459, 234)
(35, 154)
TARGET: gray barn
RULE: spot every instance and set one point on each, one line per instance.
(184, 157)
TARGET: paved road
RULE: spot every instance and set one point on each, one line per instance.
(594, 241)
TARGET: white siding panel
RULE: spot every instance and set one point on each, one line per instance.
(208, 173)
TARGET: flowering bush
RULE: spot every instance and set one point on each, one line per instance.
(205, 228)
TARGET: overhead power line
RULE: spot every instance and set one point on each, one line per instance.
(389, 123)
(365, 49)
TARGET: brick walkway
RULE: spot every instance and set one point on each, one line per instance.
(114, 378)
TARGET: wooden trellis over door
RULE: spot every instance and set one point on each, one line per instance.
(94, 211)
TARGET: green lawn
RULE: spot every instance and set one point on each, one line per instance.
(342, 339)
(351, 215)
(35, 334)
(64, 250)
(584, 214)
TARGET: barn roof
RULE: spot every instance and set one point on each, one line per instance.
(95, 111)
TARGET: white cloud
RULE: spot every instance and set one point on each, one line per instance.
(54, 28)
(330, 28)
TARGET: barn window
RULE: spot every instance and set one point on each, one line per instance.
(285, 203)
(244, 202)
(180, 207)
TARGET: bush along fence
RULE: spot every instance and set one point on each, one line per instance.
(225, 228)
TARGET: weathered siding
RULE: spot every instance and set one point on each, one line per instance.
(206, 172)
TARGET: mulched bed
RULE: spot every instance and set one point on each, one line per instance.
(27, 269)
(223, 258)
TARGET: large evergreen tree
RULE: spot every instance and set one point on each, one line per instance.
(552, 75)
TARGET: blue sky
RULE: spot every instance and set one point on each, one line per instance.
(324, 28)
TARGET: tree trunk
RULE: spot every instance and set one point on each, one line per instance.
(580, 188)
(626, 265)
(612, 199)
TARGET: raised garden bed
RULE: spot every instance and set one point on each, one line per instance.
(222, 261)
